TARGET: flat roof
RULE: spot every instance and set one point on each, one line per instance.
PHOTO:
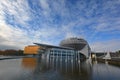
(52, 46)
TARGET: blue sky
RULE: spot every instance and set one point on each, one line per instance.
(23, 22)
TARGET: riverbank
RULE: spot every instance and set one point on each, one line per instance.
(115, 61)
(16, 57)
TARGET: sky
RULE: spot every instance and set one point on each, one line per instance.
(24, 22)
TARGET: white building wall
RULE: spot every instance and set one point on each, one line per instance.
(85, 51)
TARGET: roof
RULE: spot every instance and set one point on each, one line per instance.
(76, 43)
(52, 46)
(73, 41)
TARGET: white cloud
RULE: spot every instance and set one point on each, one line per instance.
(44, 4)
(110, 45)
(109, 24)
(73, 20)
(14, 37)
(19, 9)
(69, 31)
(46, 32)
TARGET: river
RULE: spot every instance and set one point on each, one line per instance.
(43, 69)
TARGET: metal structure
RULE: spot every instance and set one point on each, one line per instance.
(78, 44)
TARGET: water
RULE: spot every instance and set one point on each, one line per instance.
(56, 69)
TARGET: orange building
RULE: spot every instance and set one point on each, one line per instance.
(32, 49)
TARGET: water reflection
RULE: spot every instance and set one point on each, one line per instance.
(71, 69)
(29, 63)
(53, 68)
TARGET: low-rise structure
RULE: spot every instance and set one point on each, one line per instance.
(31, 49)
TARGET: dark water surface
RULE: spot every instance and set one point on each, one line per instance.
(55, 69)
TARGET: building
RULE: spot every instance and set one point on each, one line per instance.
(31, 49)
(78, 44)
(75, 47)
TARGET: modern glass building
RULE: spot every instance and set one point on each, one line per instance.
(76, 48)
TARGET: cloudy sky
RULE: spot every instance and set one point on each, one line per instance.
(23, 22)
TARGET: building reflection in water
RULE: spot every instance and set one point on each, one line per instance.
(68, 68)
(29, 63)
